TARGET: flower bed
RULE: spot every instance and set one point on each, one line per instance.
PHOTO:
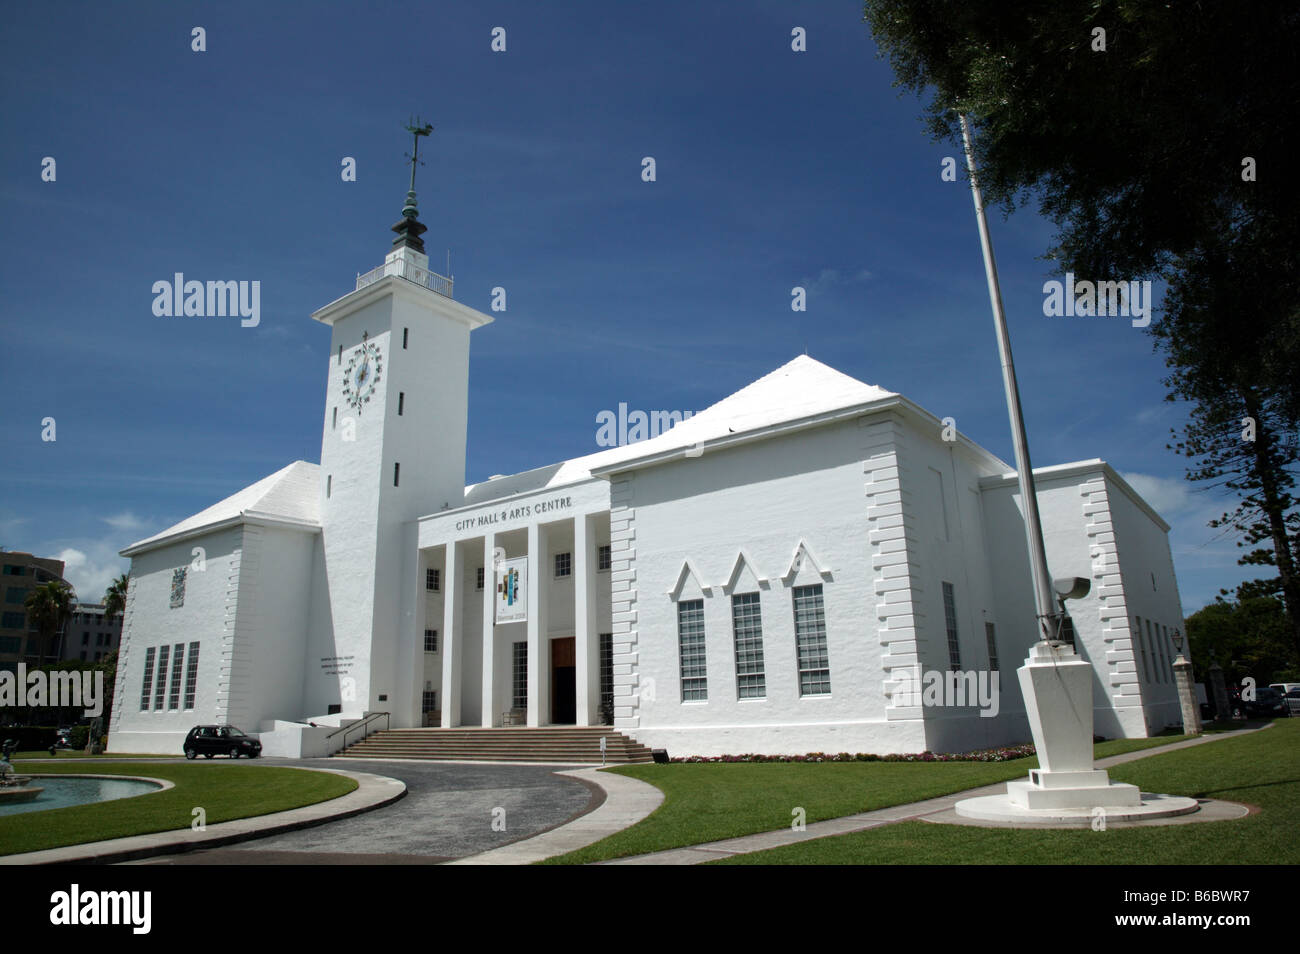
(982, 755)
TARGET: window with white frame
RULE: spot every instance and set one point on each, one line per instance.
(160, 681)
(810, 641)
(690, 647)
(607, 674)
(747, 631)
(430, 640)
(519, 682)
(433, 579)
(146, 687)
(178, 663)
(604, 557)
(429, 700)
(191, 675)
(563, 564)
(950, 621)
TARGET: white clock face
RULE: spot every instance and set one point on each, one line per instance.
(365, 367)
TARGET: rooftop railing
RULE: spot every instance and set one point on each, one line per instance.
(412, 273)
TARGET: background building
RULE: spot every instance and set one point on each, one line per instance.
(21, 573)
(90, 637)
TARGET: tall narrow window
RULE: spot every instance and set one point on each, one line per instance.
(401, 402)
(191, 675)
(478, 579)
(405, 334)
(430, 640)
(690, 643)
(519, 682)
(329, 485)
(563, 564)
(1141, 644)
(178, 663)
(747, 629)
(810, 641)
(990, 637)
(950, 620)
(397, 473)
(607, 678)
(147, 686)
(160, 682)
(604, 557)
(334, 419)
(943, 502)
(429, 700)
(432, 579)
(1155, 652)
(340, 361)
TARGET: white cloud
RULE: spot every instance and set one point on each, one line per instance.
(830, 277)
(91, 572)
(125, 521)
(1168, 495)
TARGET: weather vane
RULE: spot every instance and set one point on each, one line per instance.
(413, 156)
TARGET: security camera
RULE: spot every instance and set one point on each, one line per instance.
(1071, 587)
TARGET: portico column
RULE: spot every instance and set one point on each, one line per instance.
(539, 648)
(489, 631)
(586, 639)
(453, 574)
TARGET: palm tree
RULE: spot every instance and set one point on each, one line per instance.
(115, 597)
(48, 607)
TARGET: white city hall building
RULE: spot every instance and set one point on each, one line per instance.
(770, 575)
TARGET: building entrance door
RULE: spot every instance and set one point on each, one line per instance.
(564, 696)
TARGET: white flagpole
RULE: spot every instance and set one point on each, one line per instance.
(1047, 612)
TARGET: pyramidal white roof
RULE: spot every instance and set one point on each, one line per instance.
(799, 389)
(291, 494)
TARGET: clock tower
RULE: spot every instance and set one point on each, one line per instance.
(392, 450)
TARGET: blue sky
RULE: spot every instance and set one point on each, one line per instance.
(774, 169)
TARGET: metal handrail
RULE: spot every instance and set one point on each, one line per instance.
(365, 721)
(412, 273)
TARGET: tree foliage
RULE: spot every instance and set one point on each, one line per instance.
(1248, 637)
(1158, 137)
(48, 607)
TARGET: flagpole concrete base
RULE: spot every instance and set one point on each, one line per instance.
(1000, 808)
(1066, 788)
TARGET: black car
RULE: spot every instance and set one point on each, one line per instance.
(210, 740)
(1267, 703)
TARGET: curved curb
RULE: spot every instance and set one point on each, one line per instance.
(627, 801)
(372, 791)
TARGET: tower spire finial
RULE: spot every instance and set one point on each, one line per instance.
(409, 229)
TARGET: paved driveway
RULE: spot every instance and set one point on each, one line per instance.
(448, 812)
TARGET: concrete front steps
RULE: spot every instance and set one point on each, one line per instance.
(575, 744)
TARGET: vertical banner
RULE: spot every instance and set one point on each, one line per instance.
(512, 590)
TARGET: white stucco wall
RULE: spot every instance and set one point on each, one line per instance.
(210, 598)
(762, 500)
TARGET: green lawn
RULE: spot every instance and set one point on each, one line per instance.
(1261, 769)
(224, 791)
(81, 754)
(711, 801)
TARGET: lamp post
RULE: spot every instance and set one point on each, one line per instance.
(1186, 691)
